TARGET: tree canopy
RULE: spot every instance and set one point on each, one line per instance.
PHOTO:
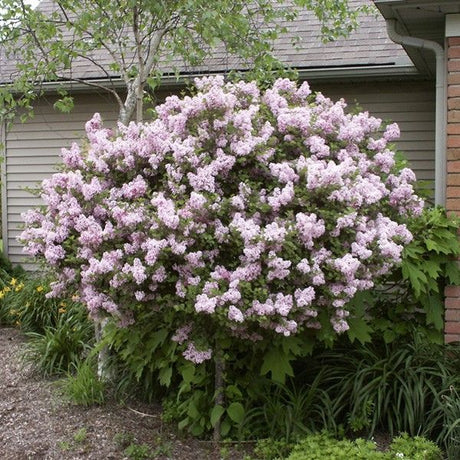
(130, 42)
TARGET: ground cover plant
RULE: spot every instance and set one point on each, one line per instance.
(322, 446)
(227, 238)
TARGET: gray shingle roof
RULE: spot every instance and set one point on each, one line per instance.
(368, 46)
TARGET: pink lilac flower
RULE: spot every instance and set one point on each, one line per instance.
(264, 210)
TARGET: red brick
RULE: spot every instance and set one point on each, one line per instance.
(452, 291)
(453, 192)
(453, 65)
(453, 103)
(453, 78)
(453, 154)
(453, 140)
(453, 52)
(453, 204)
(448, 338)
(453, 303)
(452, 327)
(453, 115)
(452, 41)
(452, 315)
(453, 91)
(453, 179)
(453, 166)
(453, 128)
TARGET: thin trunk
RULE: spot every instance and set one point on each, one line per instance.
(103, 371)
(135, 97)
(140, 104)
(219, 393)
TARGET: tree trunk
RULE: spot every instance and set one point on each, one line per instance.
(103, 371)
(219, 392)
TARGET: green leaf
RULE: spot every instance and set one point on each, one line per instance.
(183, 423)
(188, 373)
(165, 375)
(193, 411)
(236, 412)
(453, 273)
(389, 336)
(216, 414)
(225, 428)
(434, 308)
(277, 363)
(359, 330)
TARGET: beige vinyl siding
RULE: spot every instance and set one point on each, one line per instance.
(33, 148)
(32, 153)
(410, 104)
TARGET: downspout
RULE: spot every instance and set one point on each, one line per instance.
(441, 109)
(4, 219)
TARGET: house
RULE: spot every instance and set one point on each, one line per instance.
(412, 79)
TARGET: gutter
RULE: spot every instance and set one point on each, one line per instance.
(441, 108)
(378, 72)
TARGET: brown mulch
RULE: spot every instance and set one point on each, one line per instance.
(37, 423)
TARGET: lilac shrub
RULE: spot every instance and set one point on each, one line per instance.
(235, 212)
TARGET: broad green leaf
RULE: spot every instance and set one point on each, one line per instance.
(434, 308)
(453, 272)
(216, 414)
(197, 430)
(277, 363)
(165, 375)
(236, 412)
(225, 428)
(188, 372)
(359, 330)
(193, 411)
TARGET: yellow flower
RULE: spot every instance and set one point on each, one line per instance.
(63, 304)
(2, 294)
(6, 289)
(39, 288)
(13, 281)
(62, 310)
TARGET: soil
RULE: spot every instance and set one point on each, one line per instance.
(36, 423)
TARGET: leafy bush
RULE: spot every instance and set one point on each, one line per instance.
(324, 447)
(416, 448)
(411, 298)
(223, 209)
(236, 220)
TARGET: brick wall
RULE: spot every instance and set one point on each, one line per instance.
(452, 314)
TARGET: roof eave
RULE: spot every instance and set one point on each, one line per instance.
(345, 73)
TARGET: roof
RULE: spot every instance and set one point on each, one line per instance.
(423, 19)
(368, 48)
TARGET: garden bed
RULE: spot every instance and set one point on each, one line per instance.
(37, 424)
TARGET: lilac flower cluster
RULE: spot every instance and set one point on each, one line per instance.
(249, 212)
